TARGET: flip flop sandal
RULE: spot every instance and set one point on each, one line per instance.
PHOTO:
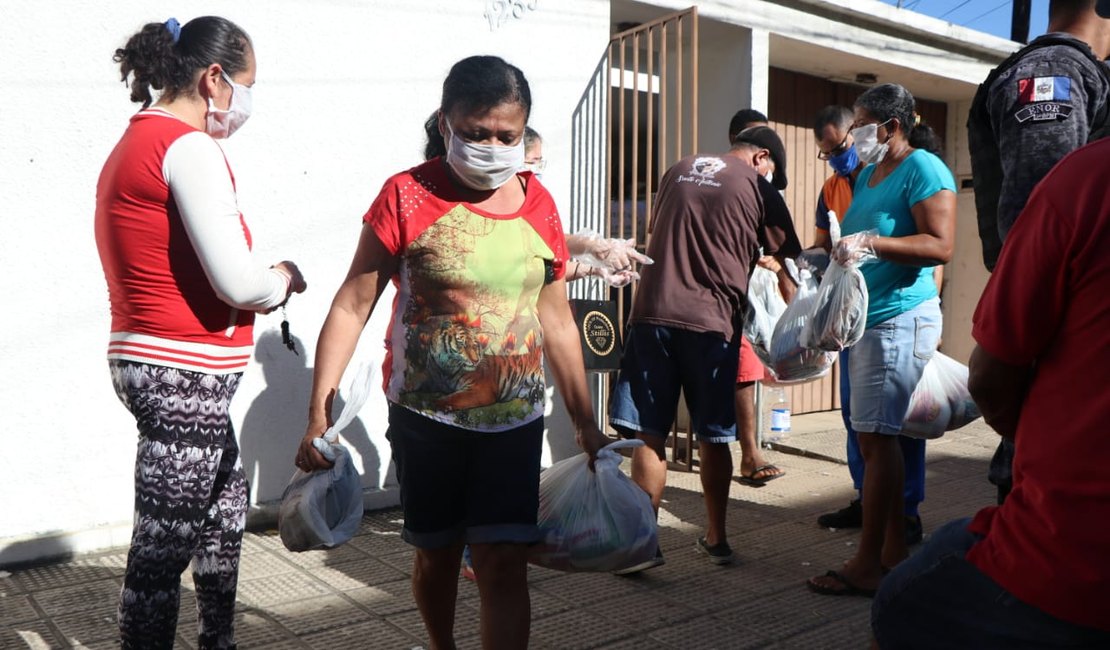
(750, 480)
(849, 589)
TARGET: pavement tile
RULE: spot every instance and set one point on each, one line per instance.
(287, 644)
(839, 634)
(708, 633)
(89, 627)
(17, 608)
(255, 629)
(581, 628)
(410, 622)
(60, 575)
(98, 596)
(543, 603)
(590, 588)
(261, 565)
(289, 587)
(400, 559)
(32, 635)
(385, 598)
(329, 557)
(376, 540)
(317, 614)
(363, 635)
(356, 574)
(635, 643)
(649, 610)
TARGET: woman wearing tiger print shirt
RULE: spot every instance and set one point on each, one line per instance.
(476, 250)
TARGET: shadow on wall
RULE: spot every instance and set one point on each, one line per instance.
(276, 420)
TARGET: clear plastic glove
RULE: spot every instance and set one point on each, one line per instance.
(615, 279)
(616, 255)
(854, 249)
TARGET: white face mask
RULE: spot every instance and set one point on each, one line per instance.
(220, 123)
(769, 177)
(866, 138)
(483, 166)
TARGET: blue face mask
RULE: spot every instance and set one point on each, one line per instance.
(845, 163)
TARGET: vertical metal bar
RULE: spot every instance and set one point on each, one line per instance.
(664, 92)
(694, 79)
(608, 134)
(620, 138)
(650, 130)
(678, 95)
(635, 132)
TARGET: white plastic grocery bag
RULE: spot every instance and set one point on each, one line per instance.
(840, 309)
(322, 509)
(765, 306)
(594, 520)
(941, 401)
(791, 361)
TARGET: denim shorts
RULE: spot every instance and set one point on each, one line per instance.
(659, 363)
(886, 364)
(461, 485)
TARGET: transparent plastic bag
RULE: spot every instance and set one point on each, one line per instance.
(941, 401)
(594, 520)
(765, 306)
(791, 361)
(323, 508)
(840, 309)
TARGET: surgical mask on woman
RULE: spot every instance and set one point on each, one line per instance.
(845, 163)
(866, 139)
(220, 123)
(483, 166)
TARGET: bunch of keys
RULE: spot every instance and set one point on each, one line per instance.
(286, 337)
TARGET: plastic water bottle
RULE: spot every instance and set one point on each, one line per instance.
(780, 413)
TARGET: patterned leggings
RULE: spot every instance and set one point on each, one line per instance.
(190, 504)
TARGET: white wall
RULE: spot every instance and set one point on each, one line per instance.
(343, 89)
(727, 62)
(965, 275)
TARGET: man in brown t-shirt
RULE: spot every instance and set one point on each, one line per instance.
(712, 215)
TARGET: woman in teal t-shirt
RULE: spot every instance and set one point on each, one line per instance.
(903, 210)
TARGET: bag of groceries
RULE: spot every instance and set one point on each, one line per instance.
(323, 508)
(595, 520)
(840, 308)
(941, 401)
(791, 360)
(765, 306)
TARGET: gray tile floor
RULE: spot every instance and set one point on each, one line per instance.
(357, 596)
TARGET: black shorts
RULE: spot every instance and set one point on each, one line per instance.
(462, 485)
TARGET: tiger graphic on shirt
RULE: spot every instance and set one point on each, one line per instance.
(457, 366)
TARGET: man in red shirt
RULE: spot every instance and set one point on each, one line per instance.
(1035, 571)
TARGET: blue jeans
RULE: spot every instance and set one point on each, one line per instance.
(913, 450)
(937, 599)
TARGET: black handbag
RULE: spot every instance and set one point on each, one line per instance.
(599, 331)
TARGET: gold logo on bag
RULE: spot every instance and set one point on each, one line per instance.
(599, 333)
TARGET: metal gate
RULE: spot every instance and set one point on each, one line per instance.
(637, 117)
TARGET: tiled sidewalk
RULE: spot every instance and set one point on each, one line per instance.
(358, 596)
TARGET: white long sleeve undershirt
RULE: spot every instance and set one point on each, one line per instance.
(197, 173)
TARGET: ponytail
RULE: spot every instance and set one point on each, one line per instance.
(434, 144)
(149, 56)
(167, 56)
(922, 136)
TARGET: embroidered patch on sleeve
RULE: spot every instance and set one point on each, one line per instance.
(1044, 89)
(1042, 99)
